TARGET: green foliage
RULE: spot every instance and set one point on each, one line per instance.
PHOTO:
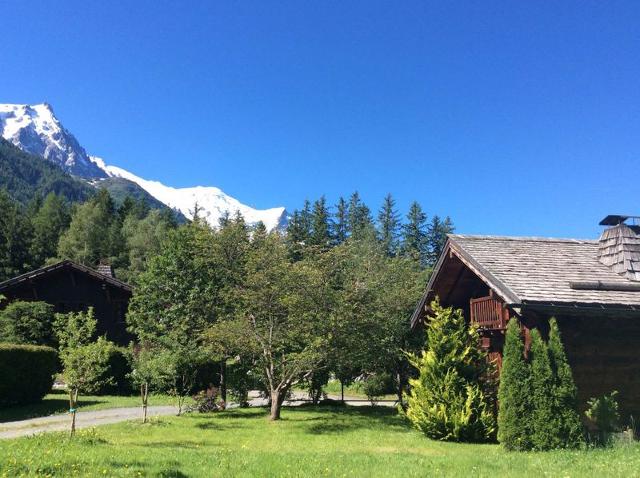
(26, 177)
(27, 373)
(537, 398)
(544, 435)
(567, 420)
(49, 222)
(90, 366)
(15, 239)
(27, 323)
(414, 234)
(376, 385)
(389, 225)
(320, 231)
(447, 401)
(436, 237)
(177, 294)
(515, 393)
(603, 413)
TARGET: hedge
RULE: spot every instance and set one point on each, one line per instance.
(26, 373)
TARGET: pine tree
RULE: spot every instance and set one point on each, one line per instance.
(341, 222)
(360, 221)
(544, 435)
(305, 220)
(446, 401)
(49, 222)
(297, 236)
(414, 236)
(15, 239)
(436, 238)
(567, 420)
(388, 225)
(320, 230)
(514, 393)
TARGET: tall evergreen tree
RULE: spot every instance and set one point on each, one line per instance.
(306, 220)
(297, 236)
(341, 221)
(90, 236)
(514, 393)
(49, 222)
(414, 235)
(437, 231)
(544, 435)
(320, 228)
(389, 225)
(360, 221)
(15, 238)
(567, 420)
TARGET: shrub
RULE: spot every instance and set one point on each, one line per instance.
(27, 323)
(376, 385)
(603, 413)
(544, 434)
(514, 393)
(447, 400)
(27, 373)
(117, 371)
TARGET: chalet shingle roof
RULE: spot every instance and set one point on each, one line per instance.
(540, 270)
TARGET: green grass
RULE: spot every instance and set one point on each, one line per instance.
(339, 441)
(58, 402)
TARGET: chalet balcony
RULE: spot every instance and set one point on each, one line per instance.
(488, 313)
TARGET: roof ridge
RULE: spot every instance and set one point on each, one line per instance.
(523, 238)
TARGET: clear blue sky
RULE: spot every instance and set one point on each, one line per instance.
(517, 118)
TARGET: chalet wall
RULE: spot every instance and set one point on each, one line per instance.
(71, 290)
(603, 353)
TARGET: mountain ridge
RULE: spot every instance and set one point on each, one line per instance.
(36, 129)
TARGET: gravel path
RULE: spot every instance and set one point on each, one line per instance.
(83, 420)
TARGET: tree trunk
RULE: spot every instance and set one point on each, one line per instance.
(400, 386)
(223, 382)
(277, 397)
(342, 391)
(73, 404)
(144, 392)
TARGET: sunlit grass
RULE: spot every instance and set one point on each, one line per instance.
(340, 441)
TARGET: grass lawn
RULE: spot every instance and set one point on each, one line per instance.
(58, 402)
(339, 441)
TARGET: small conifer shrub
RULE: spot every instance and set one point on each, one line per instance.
(447, 400)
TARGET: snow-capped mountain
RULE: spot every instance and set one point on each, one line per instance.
(36, 130)
(213, 201)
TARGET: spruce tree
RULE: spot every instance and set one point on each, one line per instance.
(437, 231)
(341, 222)
(447, 401)
(388, 225)
(514, 393)
(543, 434)
(567, 420)
(320, 229)
(15, 239)
(297, 236)
(414, 236)
(49, 222)
(360, 221)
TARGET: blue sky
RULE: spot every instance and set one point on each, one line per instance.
(518, 118)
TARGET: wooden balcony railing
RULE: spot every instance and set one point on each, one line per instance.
(488, 313)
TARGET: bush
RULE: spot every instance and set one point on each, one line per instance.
(376, 385)
(27, 373)
(603, 414)
(104, 366)
(27, 323)
(448, 401)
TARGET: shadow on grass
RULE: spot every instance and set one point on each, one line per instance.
(49, 406)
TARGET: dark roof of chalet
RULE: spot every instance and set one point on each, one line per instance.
(536, 270)
(66, 264)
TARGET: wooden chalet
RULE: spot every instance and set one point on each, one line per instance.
(592, 288)
(73, 287)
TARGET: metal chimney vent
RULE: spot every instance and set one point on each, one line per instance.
(620, 246)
